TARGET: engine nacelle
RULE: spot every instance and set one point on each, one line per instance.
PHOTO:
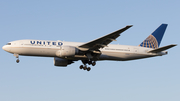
(61, 62)
(66, 51)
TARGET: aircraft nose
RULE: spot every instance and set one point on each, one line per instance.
(5, 48)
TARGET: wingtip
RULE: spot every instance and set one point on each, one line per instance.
(129, 25)
(174, 44)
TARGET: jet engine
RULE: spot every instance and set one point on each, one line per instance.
(61, 62)
(66, 51)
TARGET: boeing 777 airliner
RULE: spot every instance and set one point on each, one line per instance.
(65, 53)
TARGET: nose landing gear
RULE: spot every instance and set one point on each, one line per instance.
(17, 56)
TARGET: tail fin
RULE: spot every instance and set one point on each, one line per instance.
(154, 40)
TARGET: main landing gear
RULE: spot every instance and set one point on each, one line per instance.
(85, 67)
(93, 63)
(17, 56)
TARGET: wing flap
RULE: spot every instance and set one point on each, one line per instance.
(161, 49)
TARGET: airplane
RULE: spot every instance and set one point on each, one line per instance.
(66, 53)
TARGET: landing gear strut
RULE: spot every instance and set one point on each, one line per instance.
(17, 56)
(85, 66)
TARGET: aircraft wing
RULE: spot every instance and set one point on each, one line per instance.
(103, 41)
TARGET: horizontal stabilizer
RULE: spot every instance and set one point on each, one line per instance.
(161, 49)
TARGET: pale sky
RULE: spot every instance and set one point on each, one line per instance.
(37, 79)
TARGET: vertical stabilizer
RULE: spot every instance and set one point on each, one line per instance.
(154, 40)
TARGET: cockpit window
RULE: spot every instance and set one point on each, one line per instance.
(8, 44)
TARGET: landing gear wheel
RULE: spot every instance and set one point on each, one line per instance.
(17, 60)
(85, 67)
(94, 63)
(89, 62)
(88, 69)
(81, 67)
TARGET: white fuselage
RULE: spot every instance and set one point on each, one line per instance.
(50, 48)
